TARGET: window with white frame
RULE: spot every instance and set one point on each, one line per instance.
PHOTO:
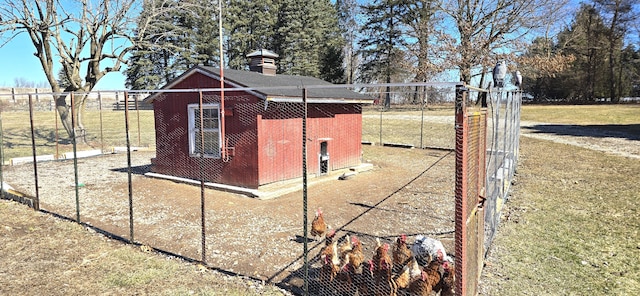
(210, 131)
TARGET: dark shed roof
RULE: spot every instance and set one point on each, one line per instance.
(279, 87)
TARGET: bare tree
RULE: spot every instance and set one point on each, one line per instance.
(85, 39)
(424, 39)
(24, 82)
(489, 30)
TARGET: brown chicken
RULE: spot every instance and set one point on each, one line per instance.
(409, 273)
(354, 256)
(430, 277)
(384, 284)
(344, 247)
(401, 253)
(447, 282)
(331, 234)
(363, 278)
(330, 262)
(318, 225)
(344, 283)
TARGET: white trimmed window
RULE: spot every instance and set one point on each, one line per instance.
(210, 130)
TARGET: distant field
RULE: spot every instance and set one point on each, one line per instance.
(431, 127)
(582, 114)
(105, 129)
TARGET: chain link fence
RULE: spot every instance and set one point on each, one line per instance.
(232, 178)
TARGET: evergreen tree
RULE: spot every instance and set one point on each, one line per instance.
(250, 25)
(305, 32)
(149, 65)
(586, 40)
(178, 40)
(348, 11)
(331, 64)
(203, 38)
(382, 51)
(617, 14)
(63, 79)
(629, 72)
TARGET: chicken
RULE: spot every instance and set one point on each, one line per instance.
(430, 277)
(410, 272)
(363, 278)
(330, 262)
(447, 282)
(427, 249)
(345, 247)
(318, 225)
(354, 256)
(384, 285)
(401, 253)
(403, 278)
(331, 234)
(350, 273)
(344, 283)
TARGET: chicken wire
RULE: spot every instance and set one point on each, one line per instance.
(129, 177)
(503, 144)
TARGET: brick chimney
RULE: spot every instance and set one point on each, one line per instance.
(263, 61)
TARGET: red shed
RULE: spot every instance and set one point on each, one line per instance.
(262, 138)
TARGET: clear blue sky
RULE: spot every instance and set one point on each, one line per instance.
(17, 61)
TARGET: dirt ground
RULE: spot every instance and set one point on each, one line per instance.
(408, 191)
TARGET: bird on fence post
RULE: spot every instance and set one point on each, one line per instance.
(499, 73)
(518, 76)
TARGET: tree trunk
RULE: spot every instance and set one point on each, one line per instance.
(81, 132)
(65, 116)
(612, 77)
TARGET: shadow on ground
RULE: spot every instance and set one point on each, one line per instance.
(623, 131)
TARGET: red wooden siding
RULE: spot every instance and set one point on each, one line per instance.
(267, 144)
(172, 145)
(280, 139)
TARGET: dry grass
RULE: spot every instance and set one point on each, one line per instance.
(46, 255)
(568, 229)
(432, 127)
(571, 225)
(105, 129)
(583, 115)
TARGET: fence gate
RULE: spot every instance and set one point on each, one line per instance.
(471, 129)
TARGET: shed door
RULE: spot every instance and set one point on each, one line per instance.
(324, 158)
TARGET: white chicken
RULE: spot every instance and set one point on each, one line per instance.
(426, 249)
